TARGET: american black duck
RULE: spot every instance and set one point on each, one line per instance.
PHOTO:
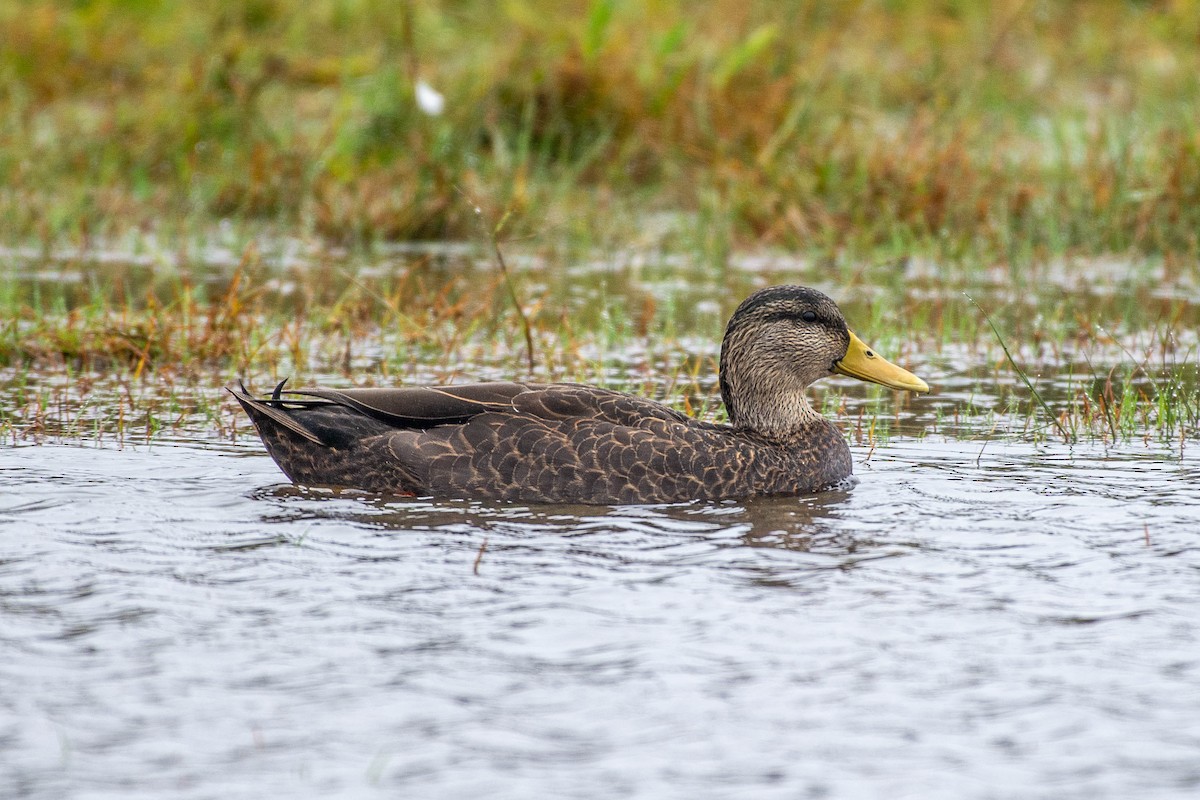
(532, 442)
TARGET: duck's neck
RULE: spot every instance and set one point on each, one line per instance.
(771, 404)
(784, 417)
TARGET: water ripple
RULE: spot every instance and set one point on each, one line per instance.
(179, 623)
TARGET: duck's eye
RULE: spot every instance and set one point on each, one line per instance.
(809, 316)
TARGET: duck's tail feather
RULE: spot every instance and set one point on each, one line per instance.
(273, 410)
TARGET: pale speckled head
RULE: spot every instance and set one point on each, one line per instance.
(778, 342)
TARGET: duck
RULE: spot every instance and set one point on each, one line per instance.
(579, 444)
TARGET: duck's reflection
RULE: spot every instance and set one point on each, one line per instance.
(809, 523)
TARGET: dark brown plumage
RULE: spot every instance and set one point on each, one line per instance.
(570, 443)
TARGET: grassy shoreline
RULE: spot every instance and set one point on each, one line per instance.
(124, 345)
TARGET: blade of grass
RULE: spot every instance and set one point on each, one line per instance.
(493, 236)
(1020, 372)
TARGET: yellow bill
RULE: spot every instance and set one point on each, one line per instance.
(865, 364)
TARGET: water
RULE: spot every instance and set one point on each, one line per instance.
(1005, 620)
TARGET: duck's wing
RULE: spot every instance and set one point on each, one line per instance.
(424, 406)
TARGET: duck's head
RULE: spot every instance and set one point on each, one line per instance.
(778, 342)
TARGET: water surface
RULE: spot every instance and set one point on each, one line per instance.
(972, 620)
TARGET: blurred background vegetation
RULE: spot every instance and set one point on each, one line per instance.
(1001, 130)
